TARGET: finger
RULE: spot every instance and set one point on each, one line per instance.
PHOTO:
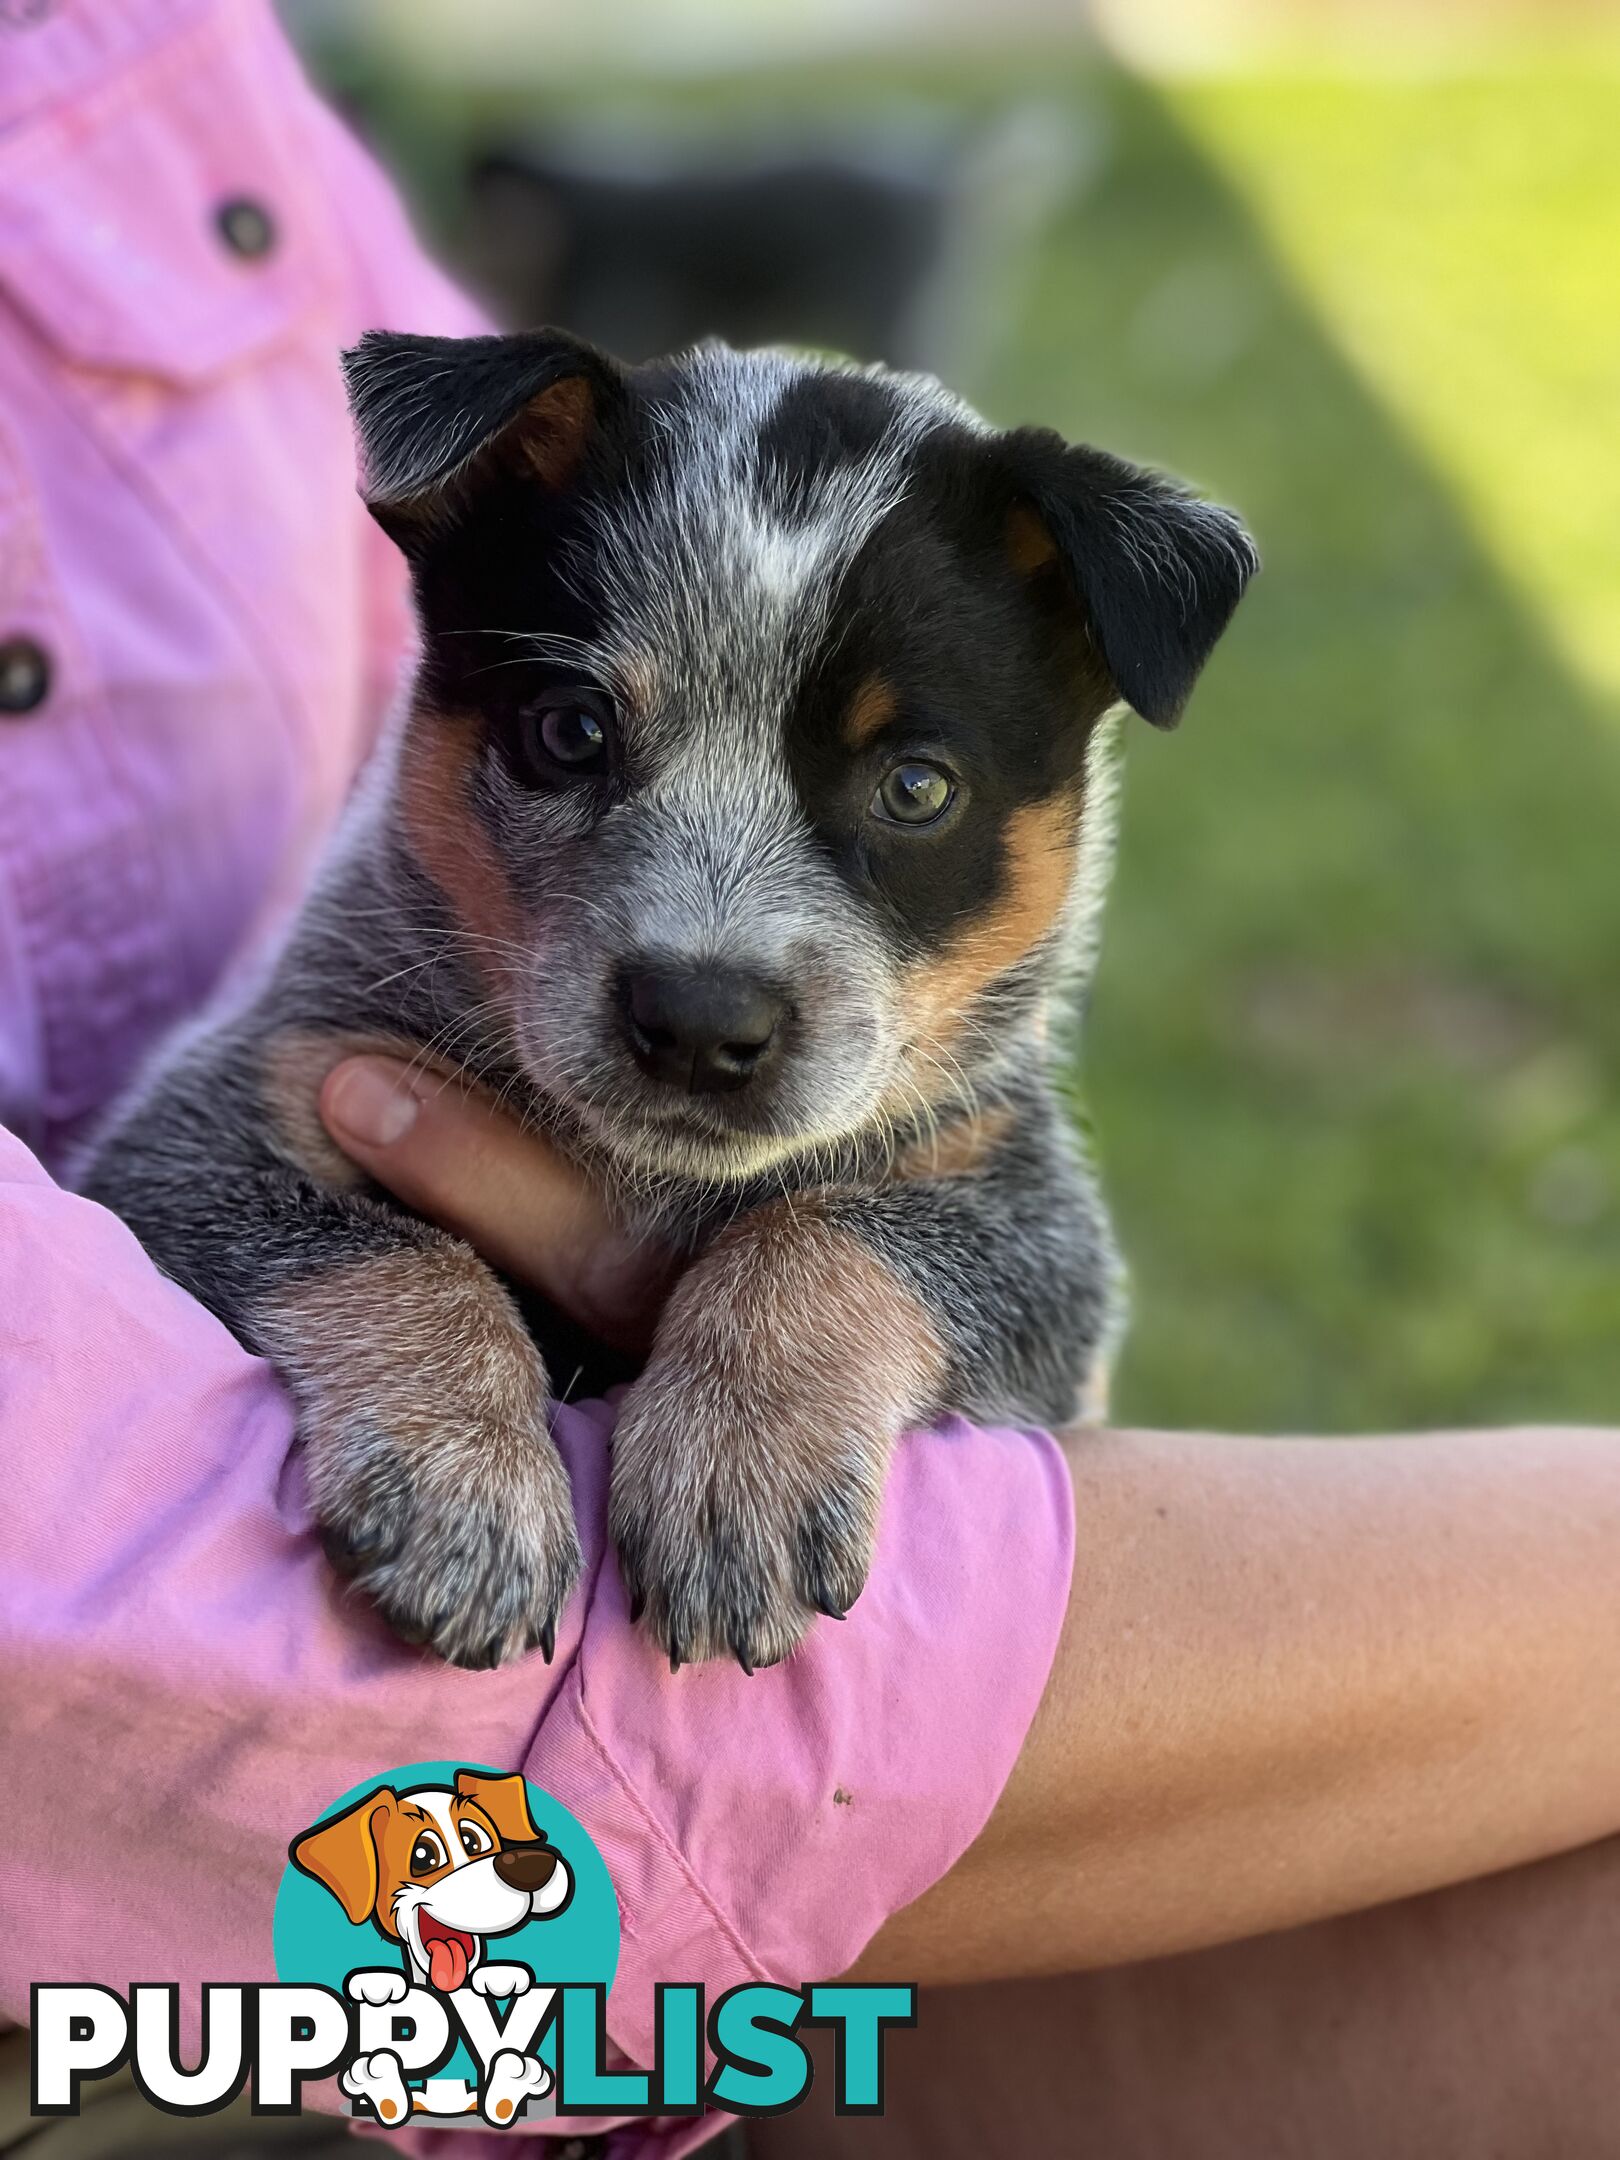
(451, 1155)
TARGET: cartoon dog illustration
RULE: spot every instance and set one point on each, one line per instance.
(438, 1870)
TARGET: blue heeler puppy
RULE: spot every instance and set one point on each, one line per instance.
(746, 831)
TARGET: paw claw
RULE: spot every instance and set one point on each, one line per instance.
(348, 1553)
(724, 1575)
(479, 1561)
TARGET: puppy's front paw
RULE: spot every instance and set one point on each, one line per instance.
(733, 1534)
(749, 1457)
(469, 1547)
(436, 1483)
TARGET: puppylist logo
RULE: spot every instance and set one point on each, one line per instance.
(445, 1937)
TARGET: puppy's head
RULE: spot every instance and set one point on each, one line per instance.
(439, 1868)
(751, 744)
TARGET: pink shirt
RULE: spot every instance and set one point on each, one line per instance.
(213, 629)
(179, 536)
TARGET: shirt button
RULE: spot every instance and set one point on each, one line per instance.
(25, 676)
(246, 227)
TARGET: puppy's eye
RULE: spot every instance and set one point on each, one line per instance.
(427, 1854)
(573, 735)
(566, 735)
(475, 1839)
(914, 794)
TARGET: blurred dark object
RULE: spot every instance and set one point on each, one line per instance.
(653, 250)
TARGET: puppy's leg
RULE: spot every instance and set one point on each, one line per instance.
(422, 1399)
(422, 1405)
(749, 1459)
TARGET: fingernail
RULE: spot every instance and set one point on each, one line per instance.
(369, 1101)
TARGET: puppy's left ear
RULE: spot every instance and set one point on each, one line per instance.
(505, 1800)
(437, 417)
(1156, 571)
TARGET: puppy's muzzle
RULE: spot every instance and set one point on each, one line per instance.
(708, 1031)
(526, 1867)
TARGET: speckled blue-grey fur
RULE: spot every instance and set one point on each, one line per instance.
(770, 586)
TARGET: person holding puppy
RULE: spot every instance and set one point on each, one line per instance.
(1289, 1682)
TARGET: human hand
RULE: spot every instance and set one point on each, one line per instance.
(450, 1154)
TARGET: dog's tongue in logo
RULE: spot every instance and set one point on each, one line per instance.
(449, 1953)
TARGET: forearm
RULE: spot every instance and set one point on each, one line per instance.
(175, 1648)
(1297, 1677)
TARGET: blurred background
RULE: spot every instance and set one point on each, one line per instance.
(1353, 1055)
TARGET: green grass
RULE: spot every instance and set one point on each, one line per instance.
(1353, 1052)
(1458, 237)
(1354, 1046)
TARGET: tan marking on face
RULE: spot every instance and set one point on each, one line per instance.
(447, 838)
(296, 1063)
(554, 428)
(870, 711)
(1042, 841)
(1030, 545)
(962, 1149)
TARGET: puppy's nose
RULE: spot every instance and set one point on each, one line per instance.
(526, 1867)
(707, 1030)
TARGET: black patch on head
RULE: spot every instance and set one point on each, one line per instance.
(999, 671)
(985, 683)
(934, 610)
(824, 422)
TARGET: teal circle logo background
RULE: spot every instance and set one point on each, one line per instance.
(315, 1941)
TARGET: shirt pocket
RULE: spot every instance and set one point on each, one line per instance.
(132, 216)
(187, 450)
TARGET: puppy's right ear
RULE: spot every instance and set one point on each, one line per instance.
(341, 1854)
(436, 416)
